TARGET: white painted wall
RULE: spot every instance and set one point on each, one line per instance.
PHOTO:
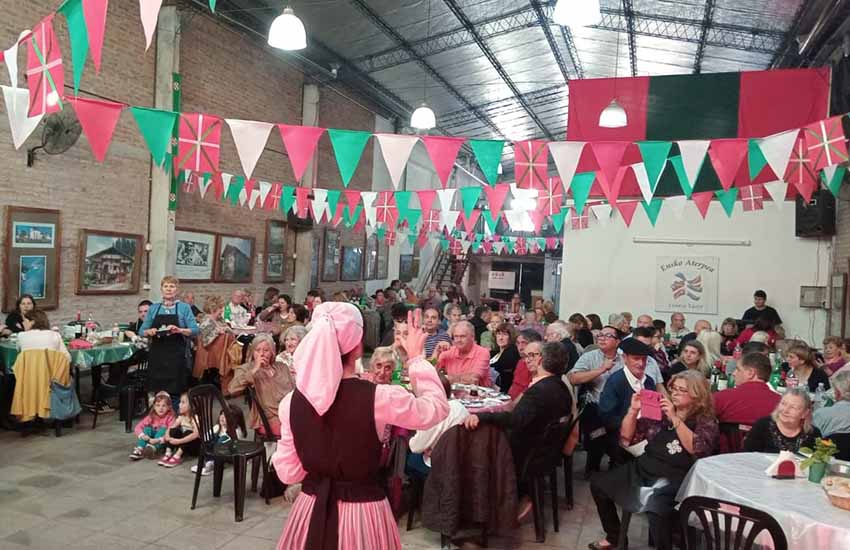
(606, 272)
(381, 182)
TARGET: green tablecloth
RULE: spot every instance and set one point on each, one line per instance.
(82, 358)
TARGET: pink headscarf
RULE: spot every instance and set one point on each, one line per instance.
(335, 329)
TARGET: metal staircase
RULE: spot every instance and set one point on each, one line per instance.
(446, 268)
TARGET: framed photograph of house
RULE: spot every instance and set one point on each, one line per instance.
(195, 255)
(371, 270)
(352, 263)
(33, 248)
(330, 256)
(383, 260)
(234, 259)
(110, 263)
(273, 268)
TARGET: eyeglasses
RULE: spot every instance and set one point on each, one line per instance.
(678, 389)
(605, 335)
(532, 355)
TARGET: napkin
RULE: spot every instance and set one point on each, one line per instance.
(783, 456)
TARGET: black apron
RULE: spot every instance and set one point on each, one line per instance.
(167, 370)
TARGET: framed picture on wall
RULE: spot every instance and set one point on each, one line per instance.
(234, 259)
(383, 260)
(408, 267)
(330, 256)
(371, 271)
(33, 253)
(195, 255)
(109, 262)
(352, 263)
(273, 268)
(314, 261)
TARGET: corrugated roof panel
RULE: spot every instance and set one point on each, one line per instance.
(722, 60)
(686, 9)
(343, 28)
(761, 14)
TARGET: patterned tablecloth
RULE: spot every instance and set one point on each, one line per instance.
(83, 358)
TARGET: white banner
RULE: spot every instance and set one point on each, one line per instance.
(686, 284)
(502, 280)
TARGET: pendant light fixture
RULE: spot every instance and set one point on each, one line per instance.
(614, 116)
(423, 118)
(287, 32)
(577, 13)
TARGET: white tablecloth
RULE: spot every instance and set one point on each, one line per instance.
(801, 507)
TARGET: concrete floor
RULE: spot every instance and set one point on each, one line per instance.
(80, 491)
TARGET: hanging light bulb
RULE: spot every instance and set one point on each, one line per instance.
(577, 13)
(287, 32)
(423, 118)
(613, 116)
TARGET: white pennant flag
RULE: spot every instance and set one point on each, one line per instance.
(265, 188)
(371, 213)
(396, 151)
(446, 198)
(149, 11)
(465, 245)
(676, 205)
(519, 220)
(17, 103)
(777, 190)
(498, 247)
(250, 138)
(244, 197)
(10, 56)
(693, 155)
(225, 183)
(320, 203)
(566, 155)
(777, 151)
(602, 213)
(448, 218)
(524, 200)
(204, 182)
(643, 181)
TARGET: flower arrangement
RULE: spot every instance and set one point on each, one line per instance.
(822, 453)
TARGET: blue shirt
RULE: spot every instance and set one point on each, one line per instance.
(185, 317)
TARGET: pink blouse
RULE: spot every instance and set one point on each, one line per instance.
(420, 410)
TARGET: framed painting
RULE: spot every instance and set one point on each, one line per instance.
(330, 256)
(352, 263)
(408, 267)
(195, 255)
(383, 261)
(234, 259)
(32, 256)
(110, 263)
(273, 267)
(371, 268)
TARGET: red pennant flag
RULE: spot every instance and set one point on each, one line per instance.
(389, 238)
(300, 143)
(431, 220)
(387, 213)
(469, 223)
(443, 152)
(551, 243)
(609, 156)
(578, 221)
(627, 210)
(703, 200)
(521, 246)
(826, 143)
(531, 163)
(302, 201)
(94, 12)
(273, 198)
(551, 196)
(216, 186)
(352, 197)
(199, 144)
(537, 217)
(752, 197)
(800, 172)
(426, 199)
(726, 157)
(487, 245)
(98, 119)
(45, 73)
(340, 209)
(360, 224)
(248, 189)
(496, 195)
(192, 183)
(422, 240)
(612, 190)
(456, 247)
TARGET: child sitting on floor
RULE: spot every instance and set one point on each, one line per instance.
(182, 436)
(152, 429)
(220, 430)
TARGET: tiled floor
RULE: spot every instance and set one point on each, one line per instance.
(80, 491)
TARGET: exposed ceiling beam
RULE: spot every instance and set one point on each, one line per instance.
(734, 37)
(707, 19)
(567, 36)
(378, 21)
(488, 53)
(550, 39)
(629, 12)
(536, 98)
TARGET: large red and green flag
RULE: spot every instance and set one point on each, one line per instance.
(721, 106)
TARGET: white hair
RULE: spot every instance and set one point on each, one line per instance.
(841, 384)
(560, 328)
(616, 319)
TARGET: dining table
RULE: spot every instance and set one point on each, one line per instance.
(83, 359)
(808, 519)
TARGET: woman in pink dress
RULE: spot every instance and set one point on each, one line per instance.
(331, 429)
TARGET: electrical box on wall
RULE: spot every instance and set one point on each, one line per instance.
(813, 296)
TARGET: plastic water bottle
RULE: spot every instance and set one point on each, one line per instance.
(115, 332)
(819, 394)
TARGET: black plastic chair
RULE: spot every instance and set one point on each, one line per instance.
(842, 441)
(203, 400)
(734, 434)
(542, 462)
(132, 386)
(719, 531)
(268, 436)
(568, 466)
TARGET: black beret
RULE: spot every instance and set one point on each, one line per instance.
(633, 346)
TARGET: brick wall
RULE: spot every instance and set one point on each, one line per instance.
(224, 73)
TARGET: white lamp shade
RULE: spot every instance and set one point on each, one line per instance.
(613, 116)
(577, 13)
(287, 32)
(423, 118)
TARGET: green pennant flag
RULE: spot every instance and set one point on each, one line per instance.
(681, 175)
(79, 37)
(492, 222)
(212, 5)
(287, 199)
(402, 203)
(652, 209)
(237, 184)
(350, 219)
(833, 183)
(580, 188)
(381, 231)
(469, 197)
(156, 127)
(413, 216)
(510, 243)
(727, 199)
(333, 200)
(654, 154)
(558, 219)
(444, 243)
(348, 147)
(755, 158)
(488, 153)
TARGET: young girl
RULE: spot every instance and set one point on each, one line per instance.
(152, 429)
(182, 436)
(220, 430)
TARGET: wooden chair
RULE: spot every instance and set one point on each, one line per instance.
(728, 526)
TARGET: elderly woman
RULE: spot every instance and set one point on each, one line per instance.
(788, 428)
(214, 342)
(729, 333)
(452, 314)
(522, 373)
(693, 357)
(834, 354)
(270, 379)
(687, 431)
(289, 341)
(504, 360)
(381, 365)
(801, 359)
(488, 337)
